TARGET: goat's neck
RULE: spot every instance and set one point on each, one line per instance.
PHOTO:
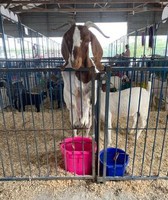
(86, 76)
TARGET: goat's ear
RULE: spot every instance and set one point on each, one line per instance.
(64, 50)
(97, 52)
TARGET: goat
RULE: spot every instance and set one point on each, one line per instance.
(75, 47)
(117, 83)
(14, 89)
(78, 84)
(19, 97)
(137, 95)
(55, 88)
(27, 98)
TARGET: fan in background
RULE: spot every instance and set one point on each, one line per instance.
(165, 14)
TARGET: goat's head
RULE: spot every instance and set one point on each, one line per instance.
(75, 46)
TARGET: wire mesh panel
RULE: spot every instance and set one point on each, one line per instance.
(133, 130)
(37, 129)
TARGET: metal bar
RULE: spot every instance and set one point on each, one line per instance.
(146, 130)
(96, 121)
(86, 177)
(157, 120)
(8, 146)
(163, 146)
(133, 178)
(139, 104)
(2, 163)
(45, 144)
(35, 140)
(94, 127)
(3, 37)
(106, 125)
(79, 10)
(83, 2)
(117, 128)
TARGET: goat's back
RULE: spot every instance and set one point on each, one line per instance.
(127, 101)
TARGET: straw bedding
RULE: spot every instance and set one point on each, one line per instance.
(29, 144)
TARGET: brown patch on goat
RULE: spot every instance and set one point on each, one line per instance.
(86, 76)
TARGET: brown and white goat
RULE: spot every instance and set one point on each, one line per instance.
(78, 84)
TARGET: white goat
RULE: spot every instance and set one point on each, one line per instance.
(137, 94)
(77, 96)
(115, 82)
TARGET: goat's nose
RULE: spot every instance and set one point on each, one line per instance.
(77, 63)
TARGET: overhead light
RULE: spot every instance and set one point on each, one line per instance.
(9, 14)
(165, 14)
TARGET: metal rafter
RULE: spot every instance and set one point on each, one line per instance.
(84, 1)
(86, 5)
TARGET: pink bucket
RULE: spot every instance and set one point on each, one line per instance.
(77, 155)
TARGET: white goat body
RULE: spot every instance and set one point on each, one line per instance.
(115, 82)
(137, 95)
(77, 96)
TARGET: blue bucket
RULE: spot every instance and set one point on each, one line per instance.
(117, 161)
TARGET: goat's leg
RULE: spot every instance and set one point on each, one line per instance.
(75, 132)
(37, 107)
(109, 129)
(15, 104)
(135, 117)
(72, 117)
(142, 123)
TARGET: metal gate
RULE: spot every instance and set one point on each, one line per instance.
(129, 156)
(34, 128)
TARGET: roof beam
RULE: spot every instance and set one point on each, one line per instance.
(85, 1)
(79, 10)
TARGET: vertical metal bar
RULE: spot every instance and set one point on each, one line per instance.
(154, 42)
(17, 141)
(35, 137)
(9, 50)
(3, 37)
(128, 118)
(117, 128)
(163, 145)
(52, 119)
(62, 112)
(20, 28)
(139, 104)
(96, 122)
(55, 154)
(166, 48)
(25, 136)
(135, 45)
(106, 125)
(2, 163)
(81, 105)
(157, 122)
(144, 50)
(44, 136)
(72, 122)
(146, 130)
(8, 146)
(94, 89)
(16, 53)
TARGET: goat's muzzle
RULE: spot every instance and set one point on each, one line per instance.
(77, 63)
